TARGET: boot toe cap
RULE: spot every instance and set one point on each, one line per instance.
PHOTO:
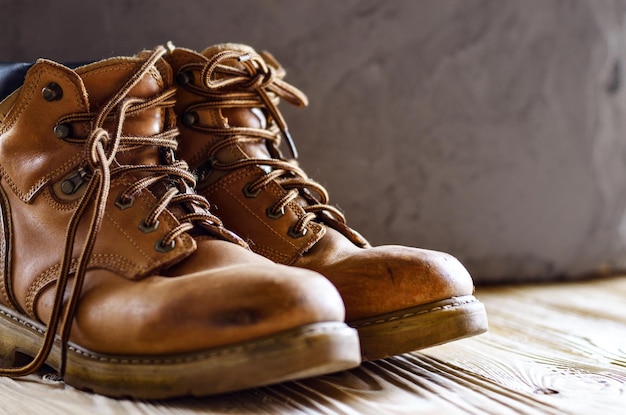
(384, 279)
(165, 315)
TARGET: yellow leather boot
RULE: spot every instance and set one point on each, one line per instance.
(114, 272)
(399, 298)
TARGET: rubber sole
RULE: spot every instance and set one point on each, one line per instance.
(299, 353)
(420, 327)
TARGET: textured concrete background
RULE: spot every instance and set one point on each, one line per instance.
(490, 129)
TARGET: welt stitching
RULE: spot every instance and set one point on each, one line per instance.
(408, 315)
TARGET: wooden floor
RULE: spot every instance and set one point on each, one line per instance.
(551, 349)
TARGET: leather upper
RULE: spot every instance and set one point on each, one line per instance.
(232, 144)
(205, 291)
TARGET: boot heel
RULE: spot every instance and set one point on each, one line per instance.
(10, 357)
(8, 353)
(14, 332)
(421, 327)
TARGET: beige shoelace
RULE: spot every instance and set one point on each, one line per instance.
(260, 84)
(102, 147)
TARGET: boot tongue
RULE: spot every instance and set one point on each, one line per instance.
(102, 80)
(252, 117)
(214, 49)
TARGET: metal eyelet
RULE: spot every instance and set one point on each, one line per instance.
(52, 92)
(249, 193)
(184, 77)
(295, 235)
(269, 212)
(124, 204)
(62, 131)
(73, 182)
(159, 247)
(145, 228)
(189, 118)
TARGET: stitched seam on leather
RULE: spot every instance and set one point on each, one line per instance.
(166, 218)
(409, 315)
(128, 237)
(3, 291)
(6, 282)
(281, 258)
(26, 197)
(111, 262)
(76, 98)
(123, 231)
(55, 204)
(61, 169)
(26, 95)
(319, 234)
(262, 344)
(260, 219)
(40, 282)
(269, 253)
(183, 359)
(116, 66)
(225, 185)
(22, 322)
(71, 161)
(3, 277)
(25, 101)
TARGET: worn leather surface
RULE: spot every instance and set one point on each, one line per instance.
(205, 292)
(372, 281)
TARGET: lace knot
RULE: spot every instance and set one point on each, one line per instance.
(261, 79)
(98, 145)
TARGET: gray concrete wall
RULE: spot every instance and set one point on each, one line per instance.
(487, 128)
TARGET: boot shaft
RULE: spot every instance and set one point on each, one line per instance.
(232, 133)
(203, 122)
(45, 139)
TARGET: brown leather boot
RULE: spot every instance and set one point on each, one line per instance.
(399, 298)
(113, 271)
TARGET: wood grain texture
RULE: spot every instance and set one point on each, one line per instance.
(551, 349)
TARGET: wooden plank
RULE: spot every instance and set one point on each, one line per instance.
(551, 349)
(561, 345)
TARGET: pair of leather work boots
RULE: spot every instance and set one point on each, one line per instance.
(116, 271)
